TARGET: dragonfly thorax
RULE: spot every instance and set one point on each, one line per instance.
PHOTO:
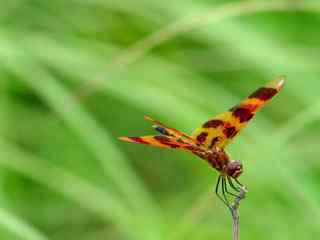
(217, 158)
(220, 160)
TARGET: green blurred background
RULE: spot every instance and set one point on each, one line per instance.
(77, 74)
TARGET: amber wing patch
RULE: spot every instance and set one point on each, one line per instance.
(220, 130)
(159, 141)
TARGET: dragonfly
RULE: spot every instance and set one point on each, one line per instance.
(210, 139)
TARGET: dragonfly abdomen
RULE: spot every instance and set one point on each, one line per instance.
(218, 159)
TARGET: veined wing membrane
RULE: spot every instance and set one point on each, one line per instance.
(159, 141)
(163, 129)
(220, 130)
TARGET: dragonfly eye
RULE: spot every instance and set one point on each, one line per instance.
(234, 169)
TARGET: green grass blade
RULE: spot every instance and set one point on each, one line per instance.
(19, 228)
(88, 196)
(96, 138)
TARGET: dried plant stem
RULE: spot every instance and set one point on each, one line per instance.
(235, 213)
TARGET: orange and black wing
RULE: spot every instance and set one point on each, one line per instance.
(165, 130)
(159, 141)
(220, 130)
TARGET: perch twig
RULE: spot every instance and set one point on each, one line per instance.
(235, 214)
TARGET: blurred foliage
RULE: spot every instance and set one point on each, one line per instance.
(77, 74)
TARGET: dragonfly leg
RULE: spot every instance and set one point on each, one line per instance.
(227, 190)
(239, 183)
(236, 188)
(224, 191)
(223, 198)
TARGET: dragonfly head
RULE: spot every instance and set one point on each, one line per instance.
(234, 169)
